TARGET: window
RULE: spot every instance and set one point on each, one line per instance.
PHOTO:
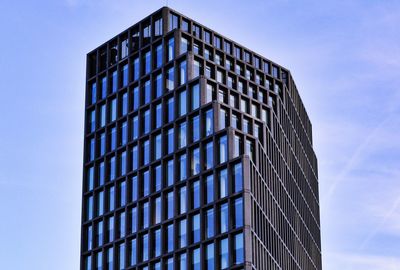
(196, 48)
(158, 27)
(146, 183)
(224, 253)
(222, 119)
(110, 259)
(158, 178)
(91, 149)
(89, 232)
(124, 104)
(223, 183)
(145, 247)
(170, 79)
(182, 200)
(239, 248)
(223, 149)
(266, 67)
(210, 256)
(236, 146)
(134, 157)
(185, 25)
(159, 56)
(195, 96)
(121, 221)
(157, 147)
(147, 92)
(103, 115)
(227, 47)
(196, 69)
(158, 115)
(112, 168)
(196, 259)
(157, 210)
(195, 161)
(114, 81)
(134, 220)
(125, 75)
(110, 229)
(171, 107)
(171, 49)
(99, 233)
(210, 223)
(184, 45)
(170, 137)
(238, 213)
(145, 215)
(136, 100)
(182, 259)
(209, 162)
(196, 194)
(170, 237)
(103, 87)
(182, 103)
(170, 264)
(122, 193)
(209, 126)
(136, 69)
(182, 233)
(170, 172)
(217, 42)
(275, 72)
(146, 33)
(224, 218)
(182, 135)
(146, 152)
(170, 205)
(157, 242)
(99, 264)
(209, 189)
(182, 169)
(90, 179)
(101, 173)
(133, 257)
(173, 22)
(113, 138)
(196, 128)
(196, 228)
(249, 149)
(146, 121)
(209, 93)
(134, 183)
(113, 110)
(207, 37)
(182, 73)
(100, 203)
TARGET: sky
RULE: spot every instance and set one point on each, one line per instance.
(345, 59)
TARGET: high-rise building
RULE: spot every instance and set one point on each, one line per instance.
(197, 155)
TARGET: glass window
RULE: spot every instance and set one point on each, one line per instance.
(89, 232)
(114, 81)
(238, 212)
(170, 237)
(159, 52)
(209, 126)
(113, 138)
(182, 103)
(224, 253)
(134, 186)
(173, 22)
(158, 177)
(195, 96)
(136, 100)
(113, 110)
(209, 189)
(170, 79)
(121, 221)
(182, 135)
(210, 256)
(122, 256)
(223, 149)
(182, 169)
(196, 128)
(91, 149)
(103, 113)
(196, 228)
(133, 258)
(147, 92)
(112, 168)
(157, 146)
(92, 120)
(100, 204)
(209, 93)
(158, 115)
(196, 194)
(110, 229)
(146, 152)
(134, 220)
(182, 233)
(195, 161)
(157, 210)
(182, 200)
(275, 72)
(158, 86)
(207, 37)
(239, 248)
(170, 264)
(158, 27)
(183, 261)
(223, 183)
(136, 69)
(196, 69)
(147, 62)
(217, 42)
(222, 119)
(157, 242)
(124, 104)
(171, 107)
(184, 45)
(135, 157)
(210, 223)
(146, 121)
(249, 149)
(125, 76)
(227, 47)
(171, 49)
(99, 234)
(170, 205)
(99, 264)
(170, 136)
(146, 215)
(146, 183)
(236, 146)
(93, 93)
(209, 162)
(185, 25)
(101, 173)
(197, 31)
(224, 218)
(122, 193)
(196, 259)
(90, 179)
(110, 259)
(145, 247)
(170, 172)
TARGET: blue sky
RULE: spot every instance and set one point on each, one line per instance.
(345, 58)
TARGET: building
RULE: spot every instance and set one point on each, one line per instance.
(197, 155)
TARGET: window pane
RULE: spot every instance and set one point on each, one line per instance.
(196, 194)
(170, 50)
(182, 135)
(159, 52)
(224, 253)
(210, 223)
(223, 183)
(170, 205)
(196, 259)
(182, 233)
(196, 128)
(224, 218)
(209, 122)
(195, 161)
(209, 155)
(196, 228)
(209, 189)
(195, 96)
(171, 114)
(239, 213)
(238, 177)
(182, 103)
(170, 135)
(210, 256)
(182, 200)
(170, 79)
(182, 169)
(223, 149)
(170, 172)
(170, 237)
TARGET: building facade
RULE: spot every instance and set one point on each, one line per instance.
(197, 155)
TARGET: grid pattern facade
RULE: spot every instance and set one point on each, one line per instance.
(197, 155)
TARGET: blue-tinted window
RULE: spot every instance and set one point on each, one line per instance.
(210, 188)
(113, 138)
(145, 247)
(209, 122)
(103, 87)
(157, 210)
(111, 199)
(195, 96)
(159, 52)
(182, 73)
(133, 257)
(182, 200)
(157, 147)
(196, 128)
(182, 237)
(125, 75)
(93, 93)
(224, 218)
(223, 183)
(238, 212)
(147, 62)
(124, 133)
(110, 259)
(157, 178)
(135, 157)
(90, 179)
(173, 22)
(99, 263)
(114, 82)
(113, 110)
(146, 121)
(103, 113)
(196, 228)
(146, 215)
(100, 203)
(147, 92)
(209, 155)
(121, 222)
(224, 253)
(170, 264)
(136, 100)
(210, 223)
(146, 183)
(196, 194)
(134, 187)
(170, 135)
(112, 168)
(158, 85)
(196, 259)
(157, 242)
(158, 115)
(182, 135)
(170, 205)
(136, 69)
(89, 233)
(223, 149)
(195, 161)
(182, 167)
(124, 104)
(99, 233)
(239, 248)
(170, 237)
(171, 107)
(171, 49)
(182, 103)
(101, 173)
(210, 256)
(91, 149)
(134, 220)
(146, 152)
(122, 193)
(170, 79)
(238, 177)
(184, 45)
(183, 261)
(170, 172)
